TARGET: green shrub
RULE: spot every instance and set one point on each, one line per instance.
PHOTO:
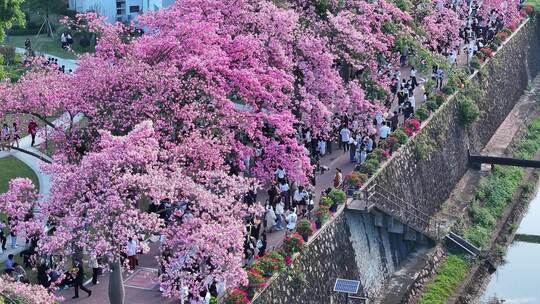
(376, 154)
(403, 5)
(401, 136)
(429, 85)
(478, 236)
(422, 114)
(468, 112)
(453, 271)
(448, 89)
(8, 53)
(304, 227)
(293, 243)
(439, 99)
(369, 166)
(482, 216)
(322, 215)
(269, 264)
(325, 201)
(507, 31)
(475, 63)
(432, 105)
(337, 196)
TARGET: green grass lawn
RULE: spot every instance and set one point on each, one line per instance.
(10, 168)
(44, 44)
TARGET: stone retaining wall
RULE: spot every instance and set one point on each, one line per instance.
(425, 182)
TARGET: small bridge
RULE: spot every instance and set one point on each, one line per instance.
(377, 197)
(475, 161)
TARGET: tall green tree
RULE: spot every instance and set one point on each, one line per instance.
(10, 14)
(46, 6)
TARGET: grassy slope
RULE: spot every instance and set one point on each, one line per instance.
(10, 168)
(44, 44)
(452, 272)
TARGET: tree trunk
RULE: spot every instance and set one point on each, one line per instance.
(116, 284)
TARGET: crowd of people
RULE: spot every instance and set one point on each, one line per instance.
(53, 62)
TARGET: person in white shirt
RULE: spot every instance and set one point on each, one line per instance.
(280, 173)
(291, 220)
(345, 135)
(284, 193)
(280, 211)
(412, 100)
(270, 218)
(384, 131)
(322, 147)
(308, 137)
(132, 253)
(297, 197)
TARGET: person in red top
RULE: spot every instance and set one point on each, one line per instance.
(32, 130)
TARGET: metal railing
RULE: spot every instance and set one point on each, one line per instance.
(403, 211)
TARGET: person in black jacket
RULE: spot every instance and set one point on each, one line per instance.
(79, 280)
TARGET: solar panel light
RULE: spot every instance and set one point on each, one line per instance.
(349, 287)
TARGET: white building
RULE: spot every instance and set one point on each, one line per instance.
(118, 10)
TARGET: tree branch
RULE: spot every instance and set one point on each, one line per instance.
(44, 119)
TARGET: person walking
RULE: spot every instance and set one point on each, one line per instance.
(32, 130)
(79, 280)
(384, 131)
(338, 178)
(345, 135)
(270, 218)
(352, 148)
(414, 81)
(280, 174)
(280, 211)
(12, 234)
(439, 77)
(132, 253)
(408, 110)
(273, 192)
(93, 263)
(15, 135)
(394, 121)
(284, 193)
(3, 238)
(261, 245)
(291, 220)
(5, 134)
(63, 40)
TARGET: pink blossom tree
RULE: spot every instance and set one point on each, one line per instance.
(14, 292)
(219, 81)
(442, 27)
(508, 11)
